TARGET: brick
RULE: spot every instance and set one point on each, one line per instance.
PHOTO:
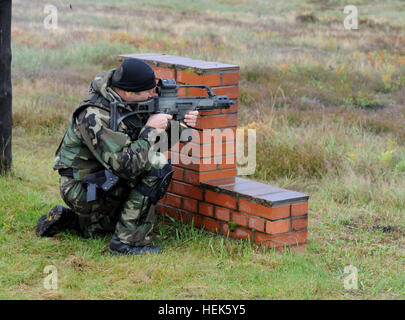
(196, 92)
(182, 92)
(196, 220)
(216, 135)
(204, 176)
(174, 200)
(232, 91)
(239, 218)
(217, 149)
(178, 173)
(238, 233)
(210, 79)
(230, 78)
(222, 182)
(196, 164)
(220, 199)
(271, 213)
(190, 205)
(220, 121)
(160, 209)
(280, 212)
(207, 223)
(299, 209)
(175, 213)
(209, 113)
(164, 73)
(192, 177)
(228, 162)
(299, 223)
(207, 150)
(190, 149)
(222, 213)
(206, 209)
(293, 238)
(274, 227)
(187, 190)
(211, 225)
(169, 189)
(256, 223)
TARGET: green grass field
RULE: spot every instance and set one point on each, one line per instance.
(329, 108)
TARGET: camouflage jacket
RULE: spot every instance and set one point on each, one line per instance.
(90, 145)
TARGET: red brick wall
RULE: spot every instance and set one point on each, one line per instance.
(207, 194)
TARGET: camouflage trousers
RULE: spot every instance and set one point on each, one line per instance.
(124, 211)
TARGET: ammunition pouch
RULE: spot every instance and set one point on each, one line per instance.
(66, 172)
(157, 192)
(101, 181)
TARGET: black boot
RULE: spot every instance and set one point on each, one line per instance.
(58, 219)
(117, 247)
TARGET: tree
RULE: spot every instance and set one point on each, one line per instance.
(5, 86)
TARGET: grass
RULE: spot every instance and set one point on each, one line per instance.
(328, 106)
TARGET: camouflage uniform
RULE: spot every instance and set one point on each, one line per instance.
(88, 146)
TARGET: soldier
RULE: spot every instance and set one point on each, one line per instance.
(112, 180)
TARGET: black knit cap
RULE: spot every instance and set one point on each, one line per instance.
(134, 75)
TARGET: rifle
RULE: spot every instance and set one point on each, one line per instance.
(169, 102)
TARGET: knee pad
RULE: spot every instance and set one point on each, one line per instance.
(157, 191)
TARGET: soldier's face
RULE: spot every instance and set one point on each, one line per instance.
(137, 96)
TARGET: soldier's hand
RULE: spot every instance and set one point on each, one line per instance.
(191, 118)
(159, 121)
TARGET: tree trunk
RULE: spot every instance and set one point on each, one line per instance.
(5, 86)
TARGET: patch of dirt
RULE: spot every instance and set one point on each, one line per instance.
(192, 291)
(52, 295)
(140, 277)
(76, 263)
(360, 223)
(306, 18)
(385, 229)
